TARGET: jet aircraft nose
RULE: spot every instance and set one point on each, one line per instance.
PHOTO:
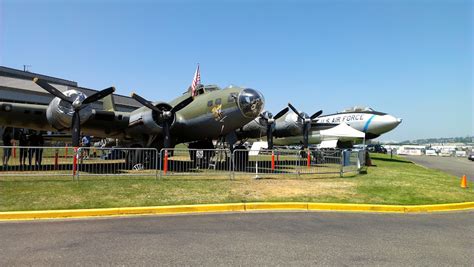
(385, 123)
(250, 102)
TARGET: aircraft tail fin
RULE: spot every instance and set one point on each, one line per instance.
(108, 103)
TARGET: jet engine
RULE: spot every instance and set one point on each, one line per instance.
(59, 112)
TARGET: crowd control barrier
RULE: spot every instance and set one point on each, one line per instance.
(82, 162)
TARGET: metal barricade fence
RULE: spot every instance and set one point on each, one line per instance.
(36, 161)
(94, 161)
(183, 162)
(195, 162)
(287, 162)
(259, 163)
(75, 162)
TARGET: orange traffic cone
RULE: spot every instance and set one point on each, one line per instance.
(464, 182)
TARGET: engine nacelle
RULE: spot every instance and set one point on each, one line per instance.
(59, 112)
(290, 126)
(147, 121)
(254, 129)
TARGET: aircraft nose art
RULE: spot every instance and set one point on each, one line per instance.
(251, 102)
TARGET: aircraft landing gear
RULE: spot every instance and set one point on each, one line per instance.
(140, 159)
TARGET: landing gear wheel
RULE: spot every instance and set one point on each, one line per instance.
(138, 167)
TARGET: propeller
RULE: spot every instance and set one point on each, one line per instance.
(76, 103)
(307, 120)
(270, 119)
(167, 115)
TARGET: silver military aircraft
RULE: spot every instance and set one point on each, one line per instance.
(291, 126)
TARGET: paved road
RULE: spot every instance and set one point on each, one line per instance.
(292, 238)
(452, 165)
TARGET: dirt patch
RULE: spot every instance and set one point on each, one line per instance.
(262, 189)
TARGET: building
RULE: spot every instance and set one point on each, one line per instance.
(18, 86)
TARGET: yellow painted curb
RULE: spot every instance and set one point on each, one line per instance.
(232, 207)
(276, 206)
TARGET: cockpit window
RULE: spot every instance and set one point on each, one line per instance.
(362, 109)
(232, 97)
(250, 102)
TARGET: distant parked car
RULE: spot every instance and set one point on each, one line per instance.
(376, 148)
(471, 156)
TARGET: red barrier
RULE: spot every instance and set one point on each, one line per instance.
(273, 161)
(74, 162)
(309, 159)
(14, 149)
(165, 163)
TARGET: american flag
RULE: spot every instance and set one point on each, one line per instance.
(196, 81)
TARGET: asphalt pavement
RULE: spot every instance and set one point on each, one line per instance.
(286, 238)
(457, 166)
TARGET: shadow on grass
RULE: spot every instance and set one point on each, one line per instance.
(392, 160)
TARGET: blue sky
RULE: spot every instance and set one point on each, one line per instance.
(412, 59)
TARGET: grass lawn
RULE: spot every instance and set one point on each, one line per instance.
(391, 181)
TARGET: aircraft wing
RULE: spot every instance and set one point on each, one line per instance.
(24, 116)
(30, 116)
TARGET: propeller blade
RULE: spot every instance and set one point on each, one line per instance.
(306, 127)
(296, 111)
(76, 129)
(182, 104)
(145, 102)
(270, 136)
(99, 95)
(281, 113)
(50, 89)
(166, 134)
(317, 114)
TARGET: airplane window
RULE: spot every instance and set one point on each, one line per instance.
(218, 101)
(209, 103)
(232, 97)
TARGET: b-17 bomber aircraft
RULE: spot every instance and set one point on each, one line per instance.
(211, 114)
(292, 127)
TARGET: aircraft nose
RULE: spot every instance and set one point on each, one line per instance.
(386, 123)
(250, 102)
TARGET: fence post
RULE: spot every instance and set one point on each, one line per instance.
(74, 163)
(65, 151)
(56, 159)
(165, 163)
(273, 160)
(232, 165)
(14, 149)
(308, 160)
(256, 167)
(155, 150)
(341, 173)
